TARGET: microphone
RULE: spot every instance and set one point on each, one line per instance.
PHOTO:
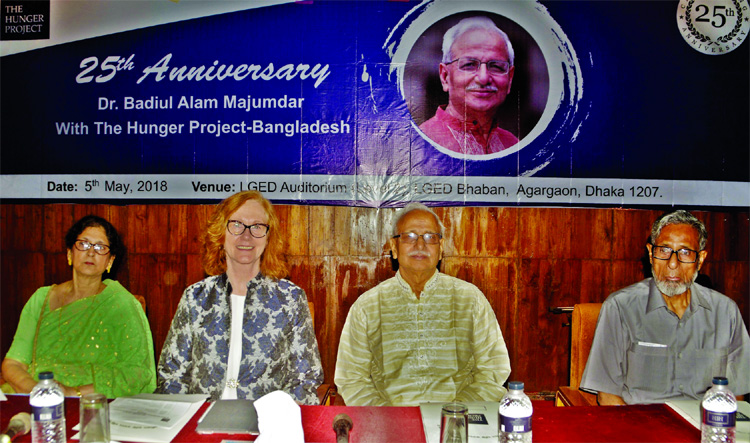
(19, 424)
(342, 424)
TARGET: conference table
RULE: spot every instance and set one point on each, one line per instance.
(638, 423)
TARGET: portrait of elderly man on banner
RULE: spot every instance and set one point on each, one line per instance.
(477, 72)
(476, 84)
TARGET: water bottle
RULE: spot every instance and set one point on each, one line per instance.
(47, 411)
(515, 415)
(718, 413)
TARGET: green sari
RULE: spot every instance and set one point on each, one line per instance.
(104, 339)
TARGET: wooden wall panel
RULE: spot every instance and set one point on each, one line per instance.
(544, 233)
(731, 278)
(544, 284)
(525, 260)
(591, 234)
(62, 216)
(197, 219)
(631, 231)
(482, 232)
(26, 226)
(314, 273)
(624, 273)
(596, 277)
(55, 264)
(17, 289)
(160, 279)
(495, 277)
(295, 226)
(728, 235)
(735, 281)
(370, 231)
(329, 235)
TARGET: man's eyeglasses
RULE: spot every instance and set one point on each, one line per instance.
(430, 238)
(684, 255)
(257, 230)
(469, 64)
(83, 245)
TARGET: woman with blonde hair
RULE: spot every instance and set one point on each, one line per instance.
(244, 331)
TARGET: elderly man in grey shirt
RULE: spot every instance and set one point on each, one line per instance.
(665, 337)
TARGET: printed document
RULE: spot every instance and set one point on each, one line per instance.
(150, 418)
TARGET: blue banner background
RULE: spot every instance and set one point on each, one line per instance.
(651, 107)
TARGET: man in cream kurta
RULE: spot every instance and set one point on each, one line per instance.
(421, 336)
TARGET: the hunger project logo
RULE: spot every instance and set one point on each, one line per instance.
(24, 20)
(713, 27)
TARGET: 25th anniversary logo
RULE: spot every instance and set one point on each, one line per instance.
(713, 27)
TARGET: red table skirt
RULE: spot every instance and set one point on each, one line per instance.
(645, 423)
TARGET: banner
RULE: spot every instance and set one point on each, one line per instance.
(615, 103)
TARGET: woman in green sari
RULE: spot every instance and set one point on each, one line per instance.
(92, 334)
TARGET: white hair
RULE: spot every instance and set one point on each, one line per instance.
(416, 206)
(469, 24)
(680, 217)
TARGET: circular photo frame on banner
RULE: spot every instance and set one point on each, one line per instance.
(517, 98)
(544, 82)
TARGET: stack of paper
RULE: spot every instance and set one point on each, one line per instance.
(150, 418)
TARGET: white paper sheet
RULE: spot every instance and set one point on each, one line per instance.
(163, 414)
(161, 405)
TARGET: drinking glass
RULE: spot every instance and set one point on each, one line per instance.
(94, 418)
(454, 423)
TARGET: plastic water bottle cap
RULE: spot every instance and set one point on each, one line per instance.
(515, 385)
(721, 381)
(46, 376)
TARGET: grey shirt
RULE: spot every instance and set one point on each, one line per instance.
(645, 354)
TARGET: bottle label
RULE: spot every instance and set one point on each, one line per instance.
(515, 424)
(43, 413)
(719, 419)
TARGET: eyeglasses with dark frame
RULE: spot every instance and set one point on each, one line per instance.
(430, 238)
(471, 64)
(684, 255)
(257, 230)
(99, 248)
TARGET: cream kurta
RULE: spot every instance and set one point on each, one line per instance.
(397, 349)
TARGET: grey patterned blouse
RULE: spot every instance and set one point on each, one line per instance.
(279, 349)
